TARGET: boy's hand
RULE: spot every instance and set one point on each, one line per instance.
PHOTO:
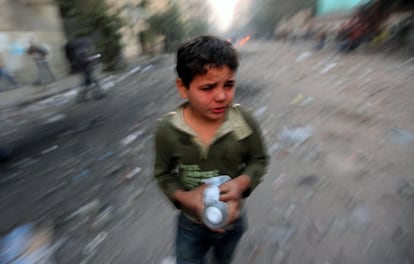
(233, 189)
(192, 200)
(233, 214)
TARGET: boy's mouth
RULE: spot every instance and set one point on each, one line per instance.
(219, 110)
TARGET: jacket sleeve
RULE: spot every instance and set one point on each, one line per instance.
(164, 165)
(257, 158)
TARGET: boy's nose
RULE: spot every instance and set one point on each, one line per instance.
(220, 95)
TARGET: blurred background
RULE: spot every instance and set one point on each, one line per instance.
(82, 84)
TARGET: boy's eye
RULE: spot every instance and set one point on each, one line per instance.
(207, 87)
(229, 85)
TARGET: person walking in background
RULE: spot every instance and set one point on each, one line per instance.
(39, 55)
(5, 75)
(85, 58)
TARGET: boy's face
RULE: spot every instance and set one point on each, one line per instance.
(210, 95)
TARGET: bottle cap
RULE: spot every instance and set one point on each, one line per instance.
(213, 215)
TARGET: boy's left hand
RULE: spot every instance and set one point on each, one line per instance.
(233, 189)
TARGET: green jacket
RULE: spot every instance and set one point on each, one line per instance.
(182, 162)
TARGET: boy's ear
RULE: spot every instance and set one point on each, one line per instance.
(182, 89)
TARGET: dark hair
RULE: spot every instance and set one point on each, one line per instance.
(194, 55)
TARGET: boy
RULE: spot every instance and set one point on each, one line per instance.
(204, 138)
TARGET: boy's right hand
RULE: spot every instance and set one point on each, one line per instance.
(192, 200)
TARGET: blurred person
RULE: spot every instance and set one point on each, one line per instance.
(5, 75)
(205, 137)
(321, 40)
(69, 50)
(85, 58)
(39, 55)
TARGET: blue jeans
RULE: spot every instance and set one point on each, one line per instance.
(194, 241)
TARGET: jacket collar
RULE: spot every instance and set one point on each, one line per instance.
(234, 123)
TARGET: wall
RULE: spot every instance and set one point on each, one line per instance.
(22, 21)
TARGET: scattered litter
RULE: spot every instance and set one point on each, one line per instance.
(55, 147)
(401, 136)
(89, 208)
(168, 260)
(297, 99)
(133, 173)
(308, 180)
(274, 148)
(134, 70)
(103, 218)
(296, 136)
(307, 101)
(289, 211)
(328, 68)
(81, 175)
(131, 137)
(260, 111)
(106, 155)
(305, 55)
(108, 85)
(360, 217)
(147, 68)
(55, 118)
(406, 191)
(28, 245)
(25, 163)
(91, 246)
(279, 180)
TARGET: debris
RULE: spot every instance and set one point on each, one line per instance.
(296, 136)
(25, 163)
(87, 209)
(81, 175)
(303, 56)
(260, 111)
(308, 180)
(106, 155)
(274, 148)
(55, 118)
(147, 68)
(360, 217)
(406, 191)
(307, 101)
(133, 173)
(398, 235)
(169, 260)
(131, 137)
(55, 147)
(328, 68)
(402, 136)
(103, 218)
(29, 245)
(279, 180)
(316, 231)
(289, 211)
(297, 99)
(91, 246)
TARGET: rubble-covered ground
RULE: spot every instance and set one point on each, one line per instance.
(340, 187)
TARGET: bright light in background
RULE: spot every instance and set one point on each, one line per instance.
(223, 12)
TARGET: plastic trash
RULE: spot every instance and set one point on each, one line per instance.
(26, 245)
(295, 136)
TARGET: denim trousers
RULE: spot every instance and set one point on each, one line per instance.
(195, 242)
